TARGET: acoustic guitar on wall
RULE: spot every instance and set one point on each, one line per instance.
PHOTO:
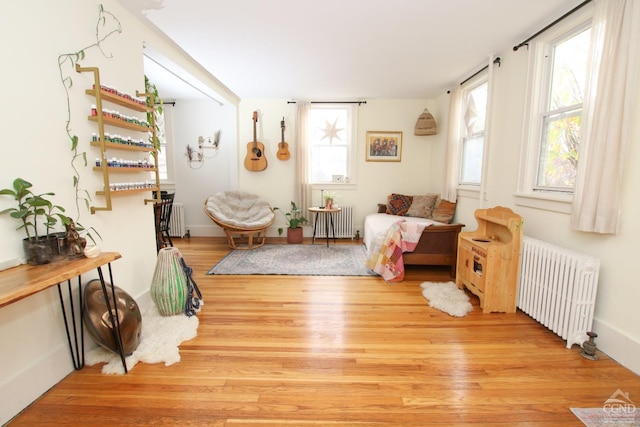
(283, 147)
(255, 159)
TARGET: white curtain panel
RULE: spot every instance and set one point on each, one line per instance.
(303, 187)
(608, 115)
(450, 191)
(491, 87)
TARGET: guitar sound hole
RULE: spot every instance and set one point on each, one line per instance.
(257, 151)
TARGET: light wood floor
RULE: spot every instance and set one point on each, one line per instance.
(338, 351)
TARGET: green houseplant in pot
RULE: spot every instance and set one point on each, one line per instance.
(38, 216)
(295, 220)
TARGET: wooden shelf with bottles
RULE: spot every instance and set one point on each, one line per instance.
(121, 146)
(116, 169)
(127, 192)
(102, 119)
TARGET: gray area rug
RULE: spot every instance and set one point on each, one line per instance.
(296, 260)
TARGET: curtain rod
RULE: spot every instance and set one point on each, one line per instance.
(179, 77)
(526, 42)
(332, 102)
(497, 60)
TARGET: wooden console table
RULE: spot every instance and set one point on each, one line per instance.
(25, 280)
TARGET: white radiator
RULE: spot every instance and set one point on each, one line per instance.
(177, 227)
(342, 223)
(558, 288)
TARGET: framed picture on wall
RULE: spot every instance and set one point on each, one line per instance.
(384, 146)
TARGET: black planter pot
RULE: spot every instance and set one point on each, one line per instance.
(42, 250)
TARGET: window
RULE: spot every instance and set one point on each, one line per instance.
(331, 135)
(165, 169)
(560, 120)
(553, 115)
(474, 99)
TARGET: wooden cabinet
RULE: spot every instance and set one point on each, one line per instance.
(489, 259)
(123, 175)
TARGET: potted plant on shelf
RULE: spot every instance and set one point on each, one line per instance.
(295, 219)
(37, 214)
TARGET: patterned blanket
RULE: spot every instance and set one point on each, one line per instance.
(385, 255)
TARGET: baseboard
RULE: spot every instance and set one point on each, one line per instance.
(617, 345)
(205, 231)
(29, 384)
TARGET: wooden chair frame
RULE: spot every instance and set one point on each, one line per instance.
(242, 238)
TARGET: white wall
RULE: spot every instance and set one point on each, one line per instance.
(419, 171)
(196, 181)
(35, 147)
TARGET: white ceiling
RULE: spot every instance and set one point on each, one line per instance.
(340, 49)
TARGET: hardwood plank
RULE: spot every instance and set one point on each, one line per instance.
(340, 351)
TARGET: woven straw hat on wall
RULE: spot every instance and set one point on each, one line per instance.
(426, 124)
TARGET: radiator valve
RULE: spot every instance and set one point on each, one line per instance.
(589, 347)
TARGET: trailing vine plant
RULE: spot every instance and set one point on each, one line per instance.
(107, 25)
(157, 110)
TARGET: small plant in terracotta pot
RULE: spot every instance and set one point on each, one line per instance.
(329, 199)
(295, 220)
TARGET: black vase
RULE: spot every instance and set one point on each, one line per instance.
(42, 250)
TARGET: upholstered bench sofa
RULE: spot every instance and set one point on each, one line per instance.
(438, 244)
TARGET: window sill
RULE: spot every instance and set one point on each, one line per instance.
(545, 201)
(469, 191)
(331, 186)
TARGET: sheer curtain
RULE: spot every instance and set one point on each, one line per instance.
(450, 192)
(461, 113)
(303, 187)
(608, 115)
(488, 126)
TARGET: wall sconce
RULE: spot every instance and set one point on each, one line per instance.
(207, 149)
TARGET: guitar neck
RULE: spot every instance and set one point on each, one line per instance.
(282, 129)
(255, 121)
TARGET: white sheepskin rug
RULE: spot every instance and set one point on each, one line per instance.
(159, 342)
(447, 297)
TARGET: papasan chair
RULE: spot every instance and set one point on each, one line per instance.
(244, 217)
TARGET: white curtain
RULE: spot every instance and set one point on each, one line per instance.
(450, 191)
(608, 115)
(486, 146)
(465, 113)
(303, 187)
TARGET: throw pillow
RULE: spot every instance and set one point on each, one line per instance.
(444, 212)
(398, 204)
(422, 206)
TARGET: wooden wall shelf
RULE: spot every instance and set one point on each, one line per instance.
(101, 119)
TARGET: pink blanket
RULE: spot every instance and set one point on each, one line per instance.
(385, 257)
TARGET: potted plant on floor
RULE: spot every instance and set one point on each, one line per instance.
(36, 214)
(295, 219)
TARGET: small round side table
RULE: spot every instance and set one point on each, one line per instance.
(328, 219)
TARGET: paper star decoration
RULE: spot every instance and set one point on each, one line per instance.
(331, 131)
